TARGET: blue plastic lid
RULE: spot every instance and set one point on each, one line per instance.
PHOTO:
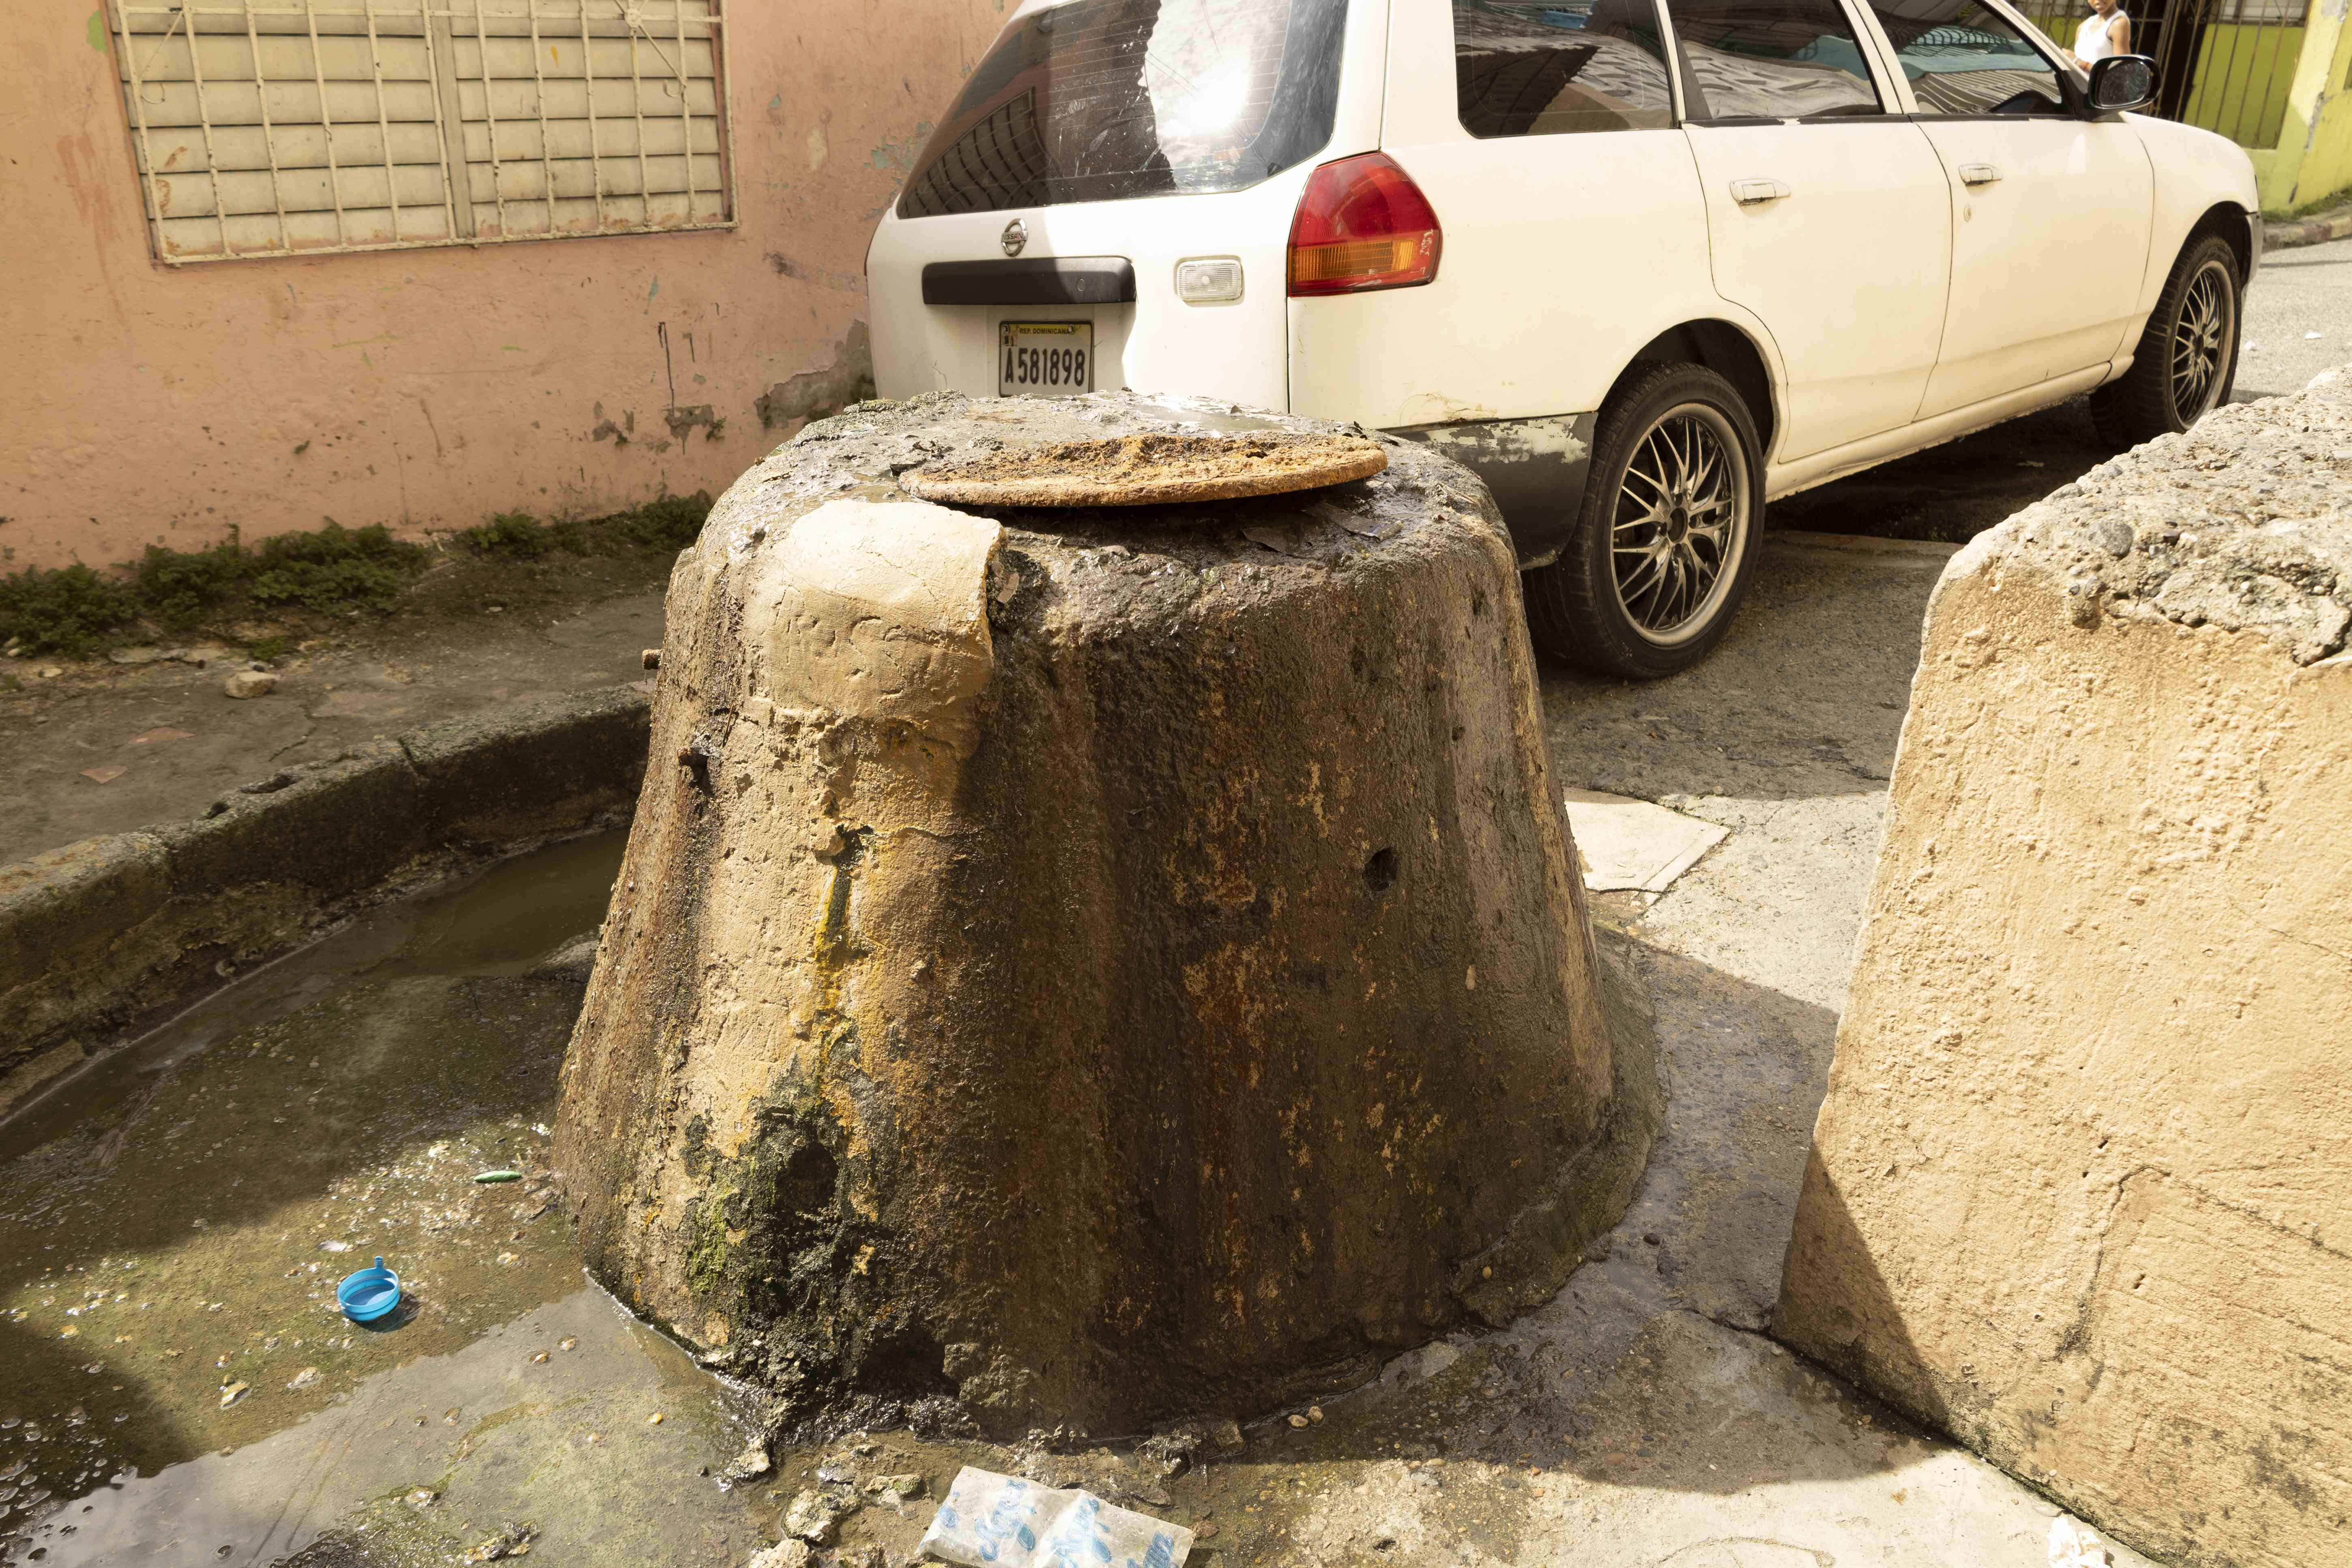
(369, 1294)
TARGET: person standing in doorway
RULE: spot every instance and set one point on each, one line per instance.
(2105, 31)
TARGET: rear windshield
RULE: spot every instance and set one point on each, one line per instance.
(1097, 100)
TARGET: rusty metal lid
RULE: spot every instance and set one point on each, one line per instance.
(1147, 471)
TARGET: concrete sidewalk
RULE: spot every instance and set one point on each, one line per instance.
(2318, 229)
(100, 747)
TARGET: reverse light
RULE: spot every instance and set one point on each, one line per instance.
(1362, 225)
(1209, 280)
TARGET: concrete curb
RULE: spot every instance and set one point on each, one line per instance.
(98, 935)
(2315, 230)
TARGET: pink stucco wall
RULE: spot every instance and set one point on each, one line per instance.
(428, 388)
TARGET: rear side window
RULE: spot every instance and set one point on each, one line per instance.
(1962, 58)
(1770, 60)
(1097, 100)
(1557, 66)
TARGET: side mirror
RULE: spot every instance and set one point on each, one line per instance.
(2120, 82)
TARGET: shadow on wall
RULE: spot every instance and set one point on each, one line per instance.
(1837, 1307)
(814, 394)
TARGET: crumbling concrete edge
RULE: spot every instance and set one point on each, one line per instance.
(99, 937)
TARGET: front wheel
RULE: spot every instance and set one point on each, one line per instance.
(2188, 356)
(1674, 508)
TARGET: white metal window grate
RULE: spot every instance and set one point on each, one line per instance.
(289, 127)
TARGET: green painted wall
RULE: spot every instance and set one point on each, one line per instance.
(2323, 168)
(2284, 94)
(2242, 79)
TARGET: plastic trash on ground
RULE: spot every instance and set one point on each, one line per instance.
(370, 1294)
(2074, 1545)
(1002, 1522)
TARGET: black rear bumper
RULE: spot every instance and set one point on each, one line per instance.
(1536, 469)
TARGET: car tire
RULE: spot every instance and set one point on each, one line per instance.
(1672, 513)
(2188, 356)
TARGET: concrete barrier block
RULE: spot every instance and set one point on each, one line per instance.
(1097, 965)
(2081, 1192)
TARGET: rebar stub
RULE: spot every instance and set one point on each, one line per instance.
(1147, 471)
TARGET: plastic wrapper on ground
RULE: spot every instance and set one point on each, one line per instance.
(1002, 1522)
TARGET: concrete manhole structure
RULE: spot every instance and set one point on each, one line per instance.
(1091, 966)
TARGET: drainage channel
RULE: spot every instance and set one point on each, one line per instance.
(178, 1386)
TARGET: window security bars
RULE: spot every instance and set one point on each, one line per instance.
(301, 127)
(2225, 65)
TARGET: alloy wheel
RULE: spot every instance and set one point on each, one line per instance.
(1680, 523)
(2201, 338)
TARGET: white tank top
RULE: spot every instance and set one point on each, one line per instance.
(2091, 37)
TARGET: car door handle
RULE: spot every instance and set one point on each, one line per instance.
(1979, 173)
(1753, 192)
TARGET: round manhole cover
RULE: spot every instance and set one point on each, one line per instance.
(1147, 470)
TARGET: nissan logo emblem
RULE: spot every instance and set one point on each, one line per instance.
(1016, 238)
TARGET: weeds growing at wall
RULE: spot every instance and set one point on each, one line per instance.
(333, 570)
(518, 536)
(69, 610)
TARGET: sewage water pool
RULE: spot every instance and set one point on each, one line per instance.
(175, 1383)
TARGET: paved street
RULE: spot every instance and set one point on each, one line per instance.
(2298, 320)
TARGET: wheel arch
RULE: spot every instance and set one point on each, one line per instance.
(2233, 222)
(1724, 347)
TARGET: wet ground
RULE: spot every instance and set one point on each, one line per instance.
(177, 1388)
(179, 1385)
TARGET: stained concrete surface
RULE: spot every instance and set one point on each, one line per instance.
(1204, 871)
(1638, 1420)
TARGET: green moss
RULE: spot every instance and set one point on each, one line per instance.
(512, 534)
(518, 536)
(335, 568)
(77, 610)
(178, 588)
(706, 1260)
(669, 522)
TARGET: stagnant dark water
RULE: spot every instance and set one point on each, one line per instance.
(176, 1384)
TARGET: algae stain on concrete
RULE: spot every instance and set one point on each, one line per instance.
(171, 1227)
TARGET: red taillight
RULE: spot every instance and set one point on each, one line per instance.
(1362, 224)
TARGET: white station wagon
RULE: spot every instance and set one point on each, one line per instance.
(1642, 264)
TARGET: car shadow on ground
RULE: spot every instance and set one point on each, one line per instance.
(1804, 699)
(1953, 492)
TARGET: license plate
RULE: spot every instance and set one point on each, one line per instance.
(1044, 359)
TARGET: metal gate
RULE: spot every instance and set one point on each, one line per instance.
(2225, 65)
